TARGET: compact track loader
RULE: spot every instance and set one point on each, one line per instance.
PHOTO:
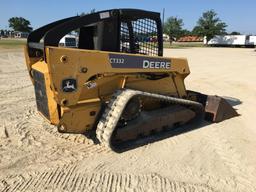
(116, 81)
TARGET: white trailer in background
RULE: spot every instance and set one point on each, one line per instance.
(252, 40)
(68, 41)
(232, 40)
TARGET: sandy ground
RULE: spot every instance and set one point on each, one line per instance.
(216, 157)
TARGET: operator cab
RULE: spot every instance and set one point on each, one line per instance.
(118, 30)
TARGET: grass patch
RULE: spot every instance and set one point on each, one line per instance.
(182, 45)
(9, 43)
(12, 43)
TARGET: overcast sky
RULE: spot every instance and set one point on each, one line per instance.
(240, 15)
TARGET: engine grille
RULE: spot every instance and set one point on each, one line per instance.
(40, 91)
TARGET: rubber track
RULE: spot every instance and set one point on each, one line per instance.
(112, 114)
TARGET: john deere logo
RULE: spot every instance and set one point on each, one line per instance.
(128, 61)
(156, 64)
(69, 85)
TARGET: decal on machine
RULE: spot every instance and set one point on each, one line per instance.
(104, 15)
(90, 85)
(128, 61)
(69, 85)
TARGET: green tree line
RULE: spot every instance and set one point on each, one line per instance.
(20, 24)
(209, 25)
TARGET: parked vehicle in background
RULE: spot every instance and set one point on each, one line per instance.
(232, 41)
(21, 34)
(166, 37)
(252, 40)
(68, 41)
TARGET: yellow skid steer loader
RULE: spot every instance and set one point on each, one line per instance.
(115, 81)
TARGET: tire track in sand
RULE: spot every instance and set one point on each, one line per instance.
(68, 178)
(34, 131)
(243, 176)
